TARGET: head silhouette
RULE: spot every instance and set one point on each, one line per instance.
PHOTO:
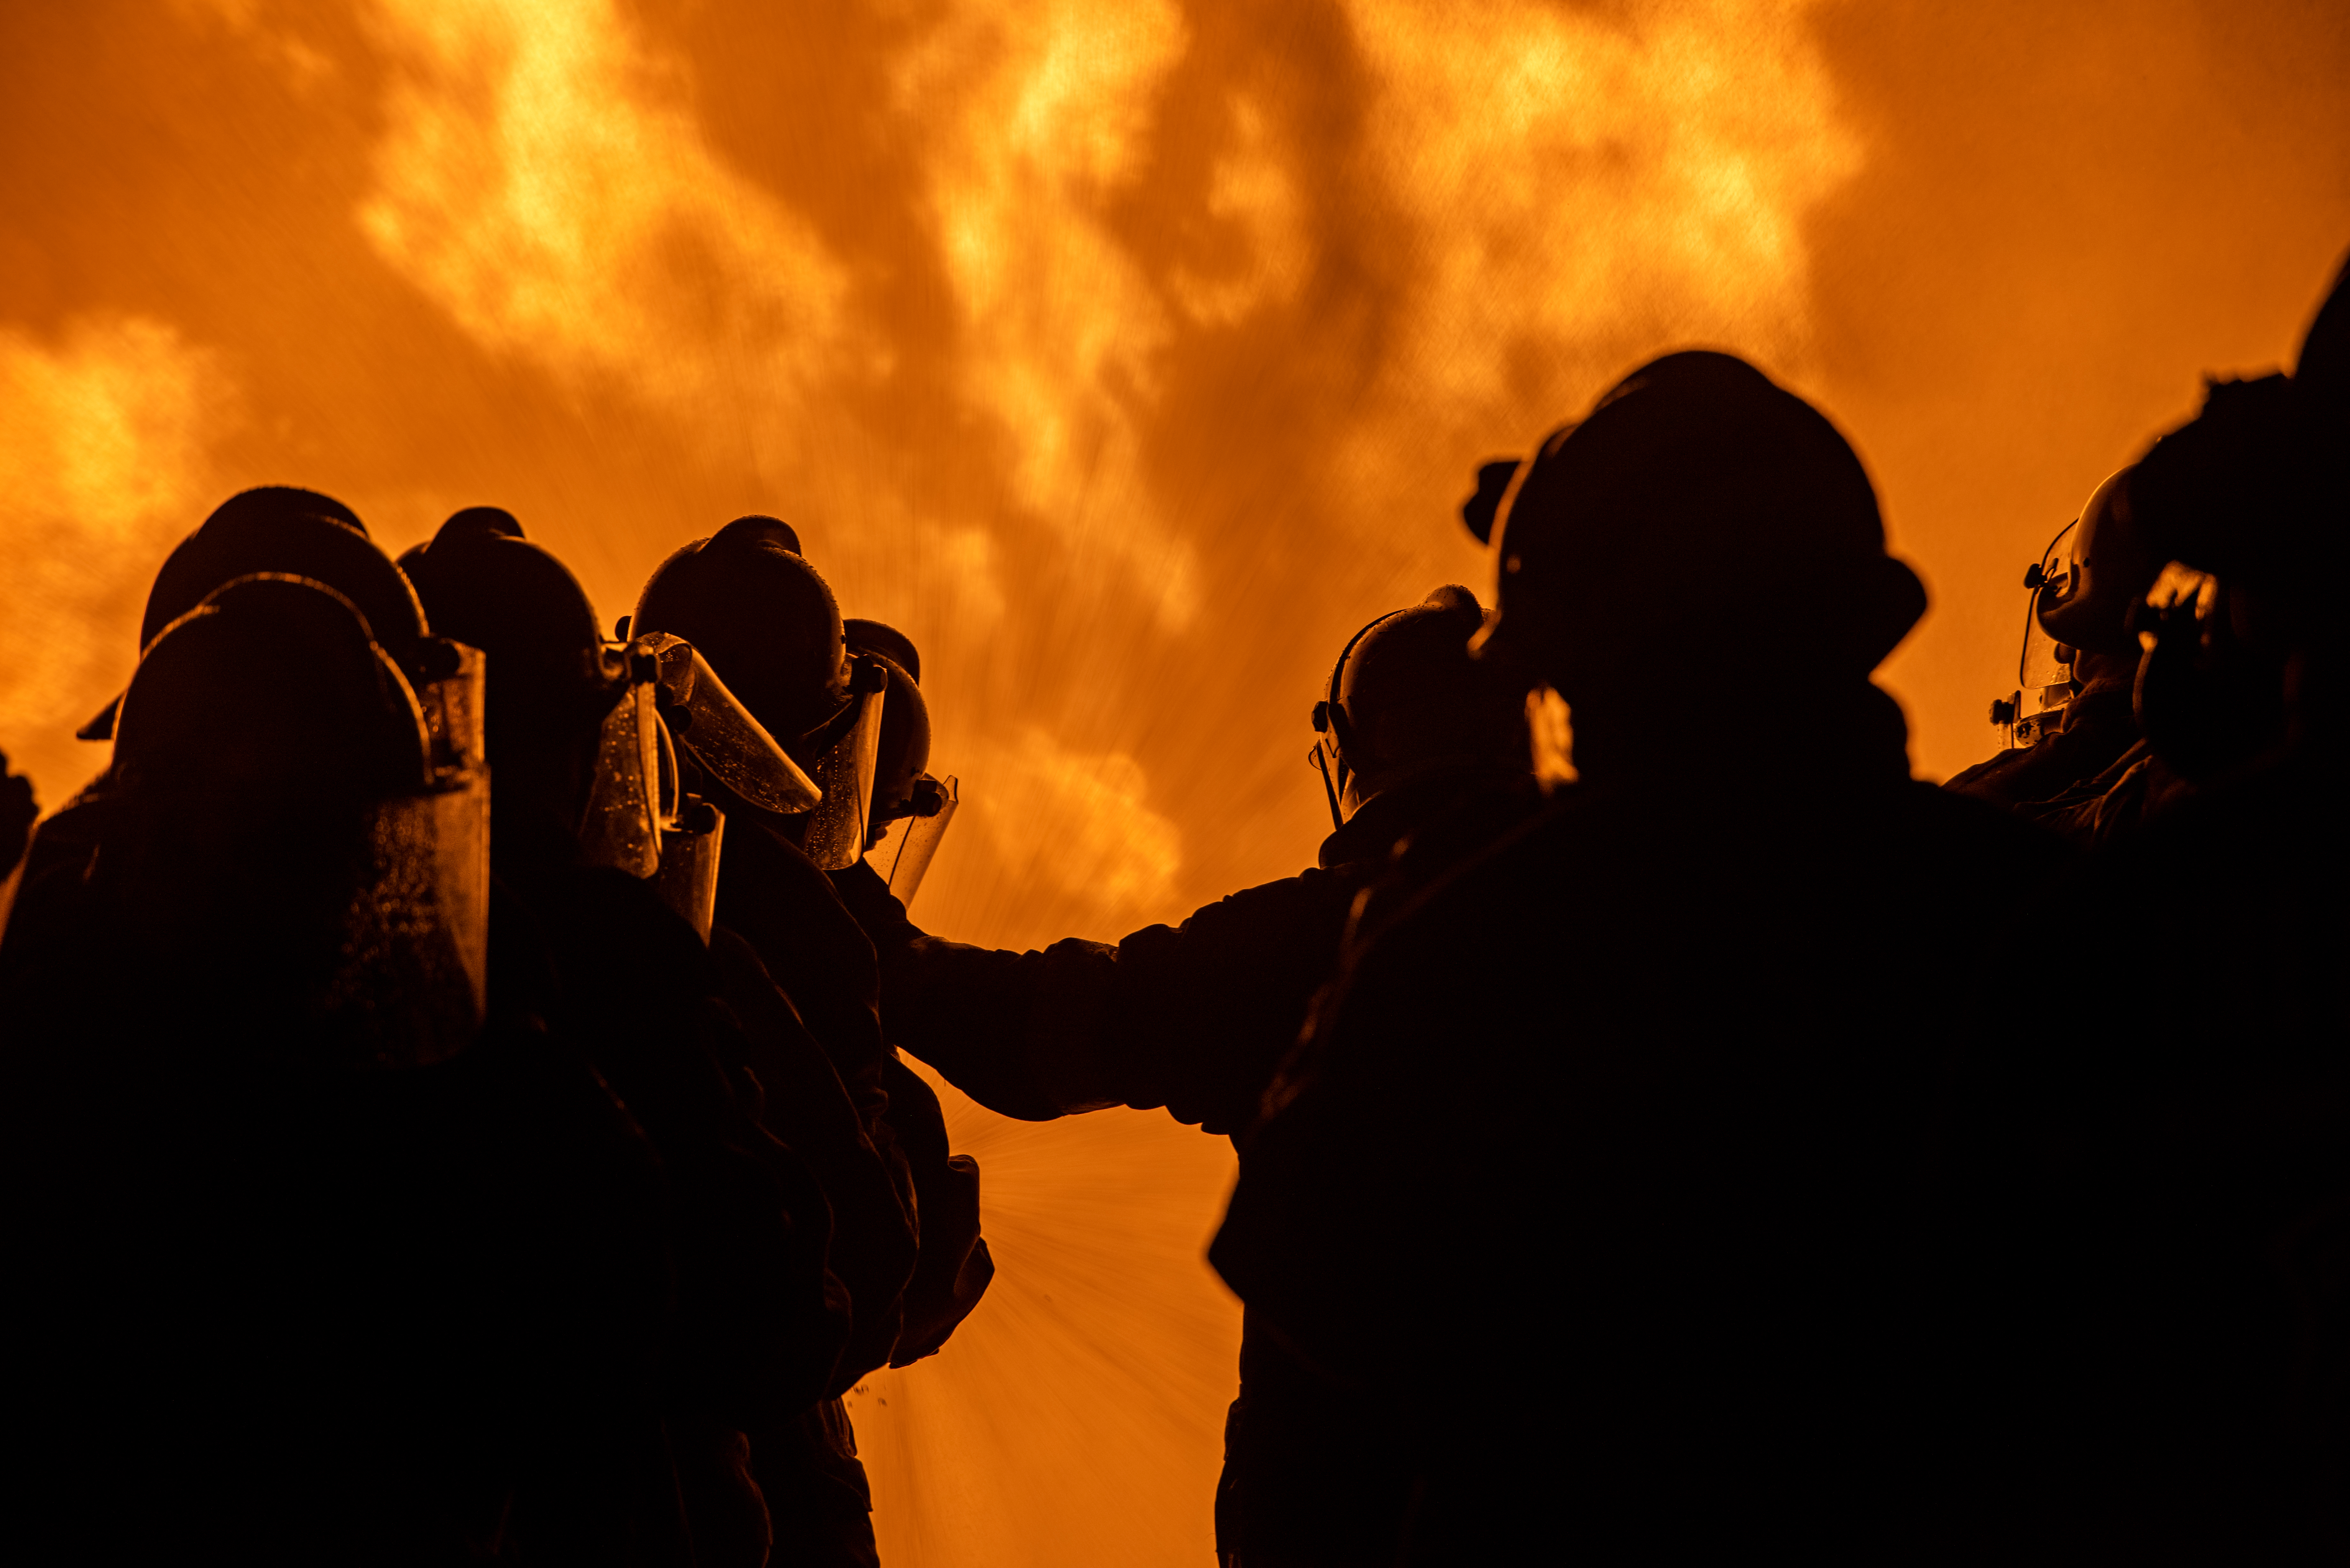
(1702, 531)
(548, 691)
(2323, 367)
(299, 533)
(1406, 698)
(278, 529)
(763, 618)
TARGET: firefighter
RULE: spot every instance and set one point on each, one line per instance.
(2176, 1171)
(2080, 765)
(576, 743)
(245, 1040)
(1597, 1171)
(798, 968)
(1414, 738)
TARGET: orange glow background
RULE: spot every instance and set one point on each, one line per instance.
(1128, 356)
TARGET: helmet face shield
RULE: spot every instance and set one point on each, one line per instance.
(622, 827)
(708, 720)
(2093, 578)
(2045, 660)
(414, 984)
(910, 842)
(1549, 738)
(843, 770)
(457, 810)
(901, 786)
(639, 818)
(691, 846)
(2034, 710)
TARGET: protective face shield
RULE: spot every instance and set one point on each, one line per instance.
(1549, 738)
(640, 819)
(844, 753)
(340, 829)
(452, 698)
(1325, 757)
(667, 690)
(907, 845)
(732, 747)
(726, 742)
(2095, 574)
(911, 808)
(903, 758)
(636, 768)
(700, 713)
(691, 846)
(2044, 667)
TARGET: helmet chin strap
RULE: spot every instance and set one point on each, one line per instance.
(1320, 757)
(1330, 722)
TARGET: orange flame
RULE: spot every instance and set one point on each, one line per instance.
(1128, 355)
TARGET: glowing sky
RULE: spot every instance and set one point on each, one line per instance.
(1128, 356)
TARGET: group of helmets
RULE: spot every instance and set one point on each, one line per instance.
(288, 664)
(1700, 531)
(844, 695)
(1703, 531)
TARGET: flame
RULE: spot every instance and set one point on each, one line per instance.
(1127, 354)
(104, 458)
(538, 184)
(1052, 498)
(1034, 113)
(1639, 175)
(1254, 187)
(1076, 824)
(1587, 188)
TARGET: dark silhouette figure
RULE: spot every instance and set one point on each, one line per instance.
(321, 1268)
(2172, 1321)
(280, 528)
(946, 1284)
(1416, 738)
(1600, 1169)
(19, 812)
(901, 786)
(591, 954)
(270, 529)
(796, 966)
(2090, 773)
